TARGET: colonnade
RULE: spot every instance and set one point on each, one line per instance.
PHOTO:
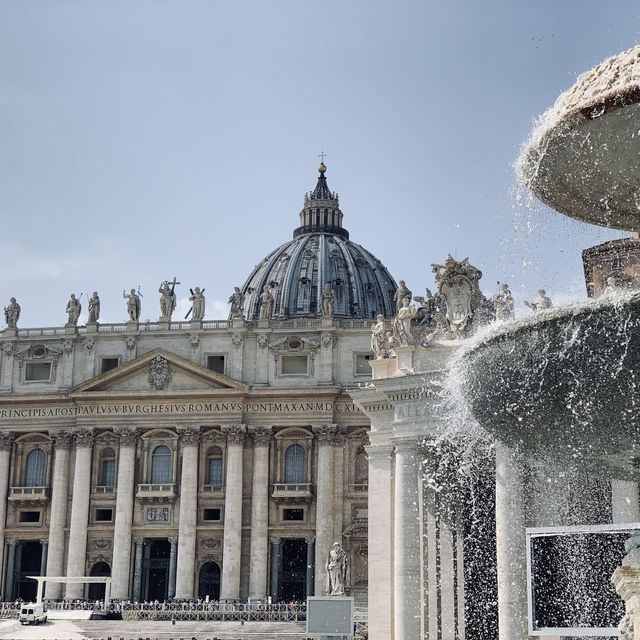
(127, 551)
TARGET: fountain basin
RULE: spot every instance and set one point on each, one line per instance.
(563, 384)
(584, 157)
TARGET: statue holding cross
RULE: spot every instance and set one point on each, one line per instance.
(167, 298)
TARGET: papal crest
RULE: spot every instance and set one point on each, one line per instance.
(159, 373)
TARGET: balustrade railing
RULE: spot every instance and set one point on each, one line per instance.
(28, 493)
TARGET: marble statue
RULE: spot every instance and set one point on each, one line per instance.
(378, 331)
(266, 303)
(197, 304)
(401, 293)
(94, 308)
(336, 570)
(167, 299)
(326, 301)
(237, 303)
(12, 313)
(402, 323)
(133, 305)
(73, 311)
(503, 303)
(540, 302)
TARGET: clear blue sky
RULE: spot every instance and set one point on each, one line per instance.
(145, 139)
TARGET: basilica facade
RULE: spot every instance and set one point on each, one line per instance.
(194, 459)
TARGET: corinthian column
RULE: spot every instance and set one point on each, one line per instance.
(121, 564)
(231, 544)
(6, 443)
(406, 546)
(325, 434)
(58, 518)
(259, 513)
(76, 558)
(189, 438)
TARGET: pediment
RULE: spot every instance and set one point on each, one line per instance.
(155, 372)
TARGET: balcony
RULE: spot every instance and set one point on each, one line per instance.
(290, 492)
(104, 490)
(29, 494)
(156, 492)
(211, 490)
(358, 489)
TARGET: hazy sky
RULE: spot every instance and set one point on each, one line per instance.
(145, 139)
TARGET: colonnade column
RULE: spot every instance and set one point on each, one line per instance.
(232, 539)
(310, 566)
(121, 565)
(43, 558)
(510, 546)
(406, 545)
(189, 438)
(11, 565)
(76, 557)
(259, 513)
(325, 434)
(171, 591)
(380, 542)
(276, 552)
(6, 444)
(137, 569)
(58, 517)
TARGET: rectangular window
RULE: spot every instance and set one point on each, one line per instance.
(107, 364)
(108, 473)
(292, 514)
(362, 367)
(216, 363)
(37, 371)
(295, 365)
(104, 515)
(30, 517)
(211, 514)
(214, 472)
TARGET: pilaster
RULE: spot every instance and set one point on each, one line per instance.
(6, 444)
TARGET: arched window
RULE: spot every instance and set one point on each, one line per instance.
(295, 470)
(214, 467)
(161, 465)
(36, 468)
(107, 469)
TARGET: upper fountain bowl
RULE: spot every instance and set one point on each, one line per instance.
(563, 384)
(583, 158)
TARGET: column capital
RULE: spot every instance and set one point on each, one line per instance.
(138, 541)
(12, 543)
(62, 438)
(261, 434)
(235, 433)
(44, 542)
(189, 436)
(378, 451)
(310, 539)
(325, 432)
(6, 440)
(84, 437)
(173, 541)
(273, 540)
(128, 436)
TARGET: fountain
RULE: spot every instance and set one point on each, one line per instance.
(562, 384)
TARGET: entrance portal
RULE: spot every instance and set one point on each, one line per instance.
(293, 576)
(100, 569)
(28, 563)
(155, 570)
(209, 581)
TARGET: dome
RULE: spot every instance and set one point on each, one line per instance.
(321, 254)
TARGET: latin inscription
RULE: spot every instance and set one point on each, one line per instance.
(176, 408)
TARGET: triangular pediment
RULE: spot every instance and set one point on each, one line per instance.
(158, 371)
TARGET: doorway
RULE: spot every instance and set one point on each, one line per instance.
(155, 570)
(100, 569)
(209, 581)
(293, 576)
(28, 563)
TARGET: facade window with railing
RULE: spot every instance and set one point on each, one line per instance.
(35, 469)
(161, 465)
(295, 464)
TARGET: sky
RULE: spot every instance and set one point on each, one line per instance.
(142, 140)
